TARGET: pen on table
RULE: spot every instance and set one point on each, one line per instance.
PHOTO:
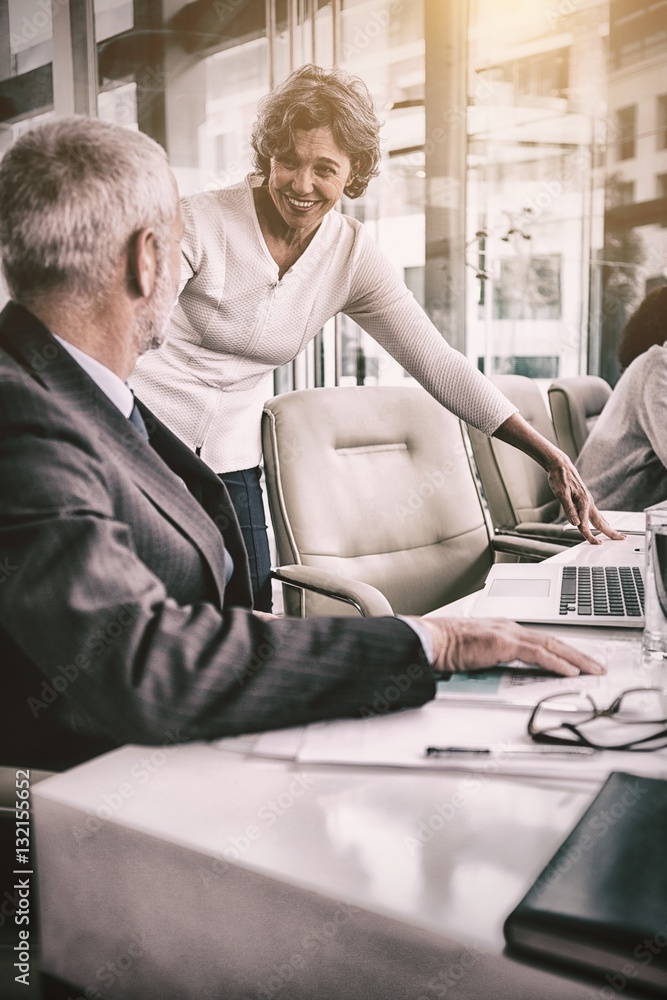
(575, 751)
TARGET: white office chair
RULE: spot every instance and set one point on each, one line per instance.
(516, 488)
(374, 502)
(575, 405)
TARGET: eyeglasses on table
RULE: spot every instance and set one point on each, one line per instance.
(570, 719)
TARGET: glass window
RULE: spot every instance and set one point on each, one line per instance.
(235, 81)
(9, 135)
(119, 105)
(384, 45)
(30, 25)
(564, 232)
(533, 156)
(528, 288)
(30, 35)
(565, 129)
(210, 105)
(112, 17)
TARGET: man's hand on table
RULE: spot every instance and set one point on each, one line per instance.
(462, 644)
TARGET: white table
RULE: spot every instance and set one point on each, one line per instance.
(188, 872)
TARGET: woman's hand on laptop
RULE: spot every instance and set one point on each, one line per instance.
(566, 484)
(463, 644)
(576, 501)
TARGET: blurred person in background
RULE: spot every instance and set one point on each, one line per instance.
(624, 458)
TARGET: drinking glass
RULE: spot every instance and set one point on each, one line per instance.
(654, 644)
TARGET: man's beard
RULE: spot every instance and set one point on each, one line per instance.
(150, 328)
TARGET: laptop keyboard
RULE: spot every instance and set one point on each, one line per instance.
(602, 591)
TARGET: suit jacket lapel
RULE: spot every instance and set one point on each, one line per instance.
(211, 495)
(149, 465)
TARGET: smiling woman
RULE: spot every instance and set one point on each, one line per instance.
(304, 184)
(265, 264)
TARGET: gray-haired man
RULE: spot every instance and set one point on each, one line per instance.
(124, 600)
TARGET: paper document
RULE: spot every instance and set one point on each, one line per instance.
(401, 739)
(482, 710)
(282, 744)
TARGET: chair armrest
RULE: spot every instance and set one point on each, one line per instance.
(368, 601)
(529, 549)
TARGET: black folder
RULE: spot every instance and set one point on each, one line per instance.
(601, 902)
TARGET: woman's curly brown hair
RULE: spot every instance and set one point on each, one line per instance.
(647, 326)
(313, 97)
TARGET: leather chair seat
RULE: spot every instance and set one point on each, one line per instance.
(373, 486)
(575, 405)
(516, 488)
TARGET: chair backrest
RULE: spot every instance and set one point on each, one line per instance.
(575, 404)
(516, 487)
(374, 484)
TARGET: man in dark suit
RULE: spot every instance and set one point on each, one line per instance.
(124, 593)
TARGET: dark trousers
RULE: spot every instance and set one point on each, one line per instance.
(246, 495)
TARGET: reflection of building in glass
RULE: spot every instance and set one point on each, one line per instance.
(634, 256)
(534, 183)
(528, 289)
(537, 165)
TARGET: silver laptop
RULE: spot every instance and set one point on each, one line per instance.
(563, 594)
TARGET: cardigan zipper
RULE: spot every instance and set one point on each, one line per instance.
(257, 332)
(206, 426)
(261, 319)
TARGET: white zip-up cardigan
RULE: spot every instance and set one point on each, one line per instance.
(236, 321)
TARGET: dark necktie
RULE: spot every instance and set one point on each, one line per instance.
(138, 421)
